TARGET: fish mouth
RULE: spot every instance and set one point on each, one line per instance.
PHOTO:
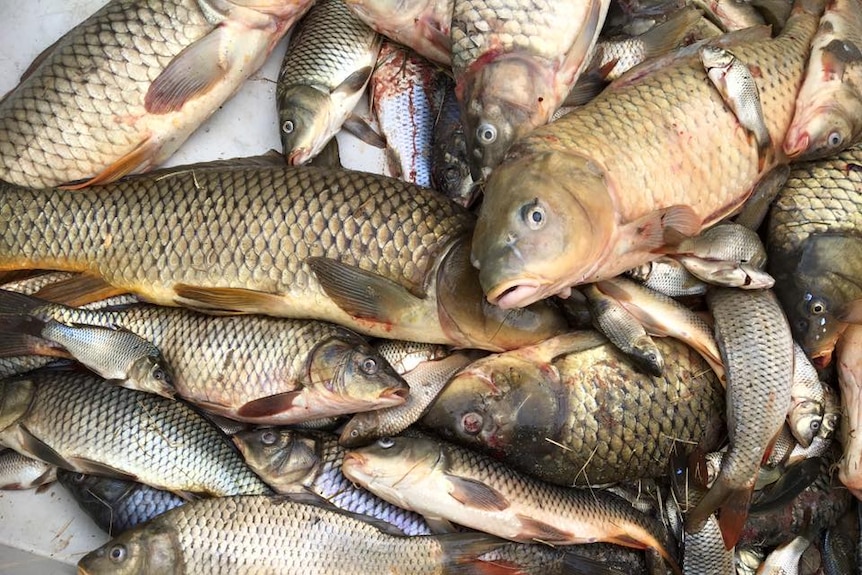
(352, 462)
(299, 156)
(796, 144)
(519, 293)
(822, 360)
(398, 394)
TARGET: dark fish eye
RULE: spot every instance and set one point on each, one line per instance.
(79, 478)
(117, 553)
(287, 127)
(817, 307)
(385, 442)
(472, 423)
(486, 134)
(834, 139)
(815, 425)
(369, 366)
(533, 215)
(159, 374)
(268, 437)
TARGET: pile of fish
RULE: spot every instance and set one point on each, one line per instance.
(602, 314)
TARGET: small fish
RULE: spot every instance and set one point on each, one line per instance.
(734, 81)
(730, 14)
(450, 164)
(805, 417)
(669, 277)
(624, 331)
(440, 480)
(322, 77)
(784, 559)
(828, 116)
(21, 472)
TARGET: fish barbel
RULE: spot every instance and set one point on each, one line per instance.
(657, 153)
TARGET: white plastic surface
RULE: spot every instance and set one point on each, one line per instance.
(50, 524)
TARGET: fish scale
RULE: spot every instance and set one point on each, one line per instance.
(161, 442)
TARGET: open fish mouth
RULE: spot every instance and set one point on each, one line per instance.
(518, 293)
(795, 144)
(395, 394)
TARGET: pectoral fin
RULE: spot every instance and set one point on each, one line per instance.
(79, 290)
(128, 163)
(476, 494)
(541, 532)
(228, 300)
(362, 130)
(270, 406)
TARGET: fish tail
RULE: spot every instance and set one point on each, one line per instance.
(639, 537)
(14, 303)
(21, 336)
(732, 516)
(664, 37)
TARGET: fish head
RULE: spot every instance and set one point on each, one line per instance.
(544, 225)
(149, 548)
(303, 114)
(392, 465)
(470, 319)
(152, 375)
(352, 376)
(495, 403)
(805, 419)
(503, 97)
(821, 291)
(825, 129)
(284, 457)
(360, 430)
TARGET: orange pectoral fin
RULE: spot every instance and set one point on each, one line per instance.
(140, 155)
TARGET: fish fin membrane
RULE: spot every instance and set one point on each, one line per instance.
(127, 164)
(360, 293)
(794, 480)
(438, 39)
(354, 82)
(15, 342)
(664, 37)
(627, 540)
(227, 300)
(193, 72)
(732, 516)
(476, 494)
(581, 49)
(271, 406)
(14, 303)
(575, 564)
(439, 525)
(329, 157)
(362, 130)
(851, 312)
(461, 553)
(79, 290)
(539, 531)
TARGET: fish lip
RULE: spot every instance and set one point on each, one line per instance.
(800, 143)
(299, 156)
(822, 360)
(515, 293)
(399, 393)
(353, 459)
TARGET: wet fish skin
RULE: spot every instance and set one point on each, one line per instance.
(757, 352)
(730, 14)
(669, 277)
(122, 90)
(514, 64)
(445, 481)
(784, 559)
(250, 368)
(78, 422)
(334, 229)
(450, 164)
(569, 206)
(829, 106)
(814, 237)
(116, 505)
(423, 25)
(293, 461)
(850, 384)
(231, 533)
(20, 472)
(808, 403)
(562, 413)
(323, 76)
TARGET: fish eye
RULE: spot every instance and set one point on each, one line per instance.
(486, 134)
(79, 478)
(817, 307)
(117, 553)
(385, 442)
(369, 366)
(834, 139)
(472, 423)
(815, 425)
(268, 437)
(287, 127)
(533, 215)
(159, 374)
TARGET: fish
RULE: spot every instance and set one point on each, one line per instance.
(293, 461)
(249, 368)
(323, 76)
(730, 14)
(757, 351)
(808, 402)
(403, 88)
(850, 385)
(756, 207)
(829, 106)
(574, 201)
(20, 472)
(426, 381)
(624, 331)
(116, 505)
(784, 559)
(814, 238)
(231, 533)
(574, 411)
(78, 422)
(838, 546)
(376, 255)
(422, 25)
(450, 164)
(120, 92)
(514, 64)
(734, 81)
(444, 481)
(667, 276)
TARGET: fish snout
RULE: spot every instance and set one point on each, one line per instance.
(796, 143)
(515, 294)
(398, 394)
(299, 156)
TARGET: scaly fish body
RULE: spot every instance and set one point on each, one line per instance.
(403, 88)
(828, 115)
(514, 63)
(815, 245)
(116, 505)
(808, 402)
(594, 193)
(292, 461)
(445, 481)
(850, 384)
(78, 422)
(250, 534)
(281, 241)
(323, 76)
(121, 91)
(423, 25)
(669, 277)
(585, 418)
(784, 559)
(21, 472)
(250, 368)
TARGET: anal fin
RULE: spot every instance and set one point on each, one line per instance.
(269, 407)
(228, 300)
(541, 532)
(79, 290)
